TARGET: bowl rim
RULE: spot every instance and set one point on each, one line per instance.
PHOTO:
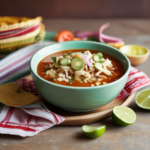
(75, 87)
(136, 56)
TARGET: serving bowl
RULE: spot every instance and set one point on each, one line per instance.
(78, 99)
(137, 54)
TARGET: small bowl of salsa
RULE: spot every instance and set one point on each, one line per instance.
(137, 54)
(79, 76)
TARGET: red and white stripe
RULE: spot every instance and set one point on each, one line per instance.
(18, 32)
(136, 80)
(31, 119)
(28, 120)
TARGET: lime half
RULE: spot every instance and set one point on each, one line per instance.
(142, 99)
(123, 116)
(93, 132)
(134, 50)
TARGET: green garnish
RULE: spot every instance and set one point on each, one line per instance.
(71, 80)
(100, 61)
(97, 57)
(64, 62)
(77, 64)
(100, 55)
(54, 59)
(98, 66)
(46, 68)
(67, 54)
(82, 79)
(92, 39)
(56, 64)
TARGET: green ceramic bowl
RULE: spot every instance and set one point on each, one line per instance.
(78, 99)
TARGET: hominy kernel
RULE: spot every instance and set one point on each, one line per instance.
(59, 79)
(97, 83)
(104, 83)
(66, 80)
(69, 77)
(99, 79)
(60, 75)
(94, 79)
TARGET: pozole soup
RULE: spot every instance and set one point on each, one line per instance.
(82, 68)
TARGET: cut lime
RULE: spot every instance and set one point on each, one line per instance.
(100, 55)
(142, 99)
(93, 132)
(77, 64)
(96, 58)
(134, 50)
(64, 62)
(98, 66)
(123, 116)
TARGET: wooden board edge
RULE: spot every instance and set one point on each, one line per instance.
(91, 118)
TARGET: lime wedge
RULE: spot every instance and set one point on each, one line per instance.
(93, 132)
(142, 99)
(96, 58)
(98, 66)
(77, 64)
(123, 116)
(64, 62)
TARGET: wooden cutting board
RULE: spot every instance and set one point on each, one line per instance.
(74, 118)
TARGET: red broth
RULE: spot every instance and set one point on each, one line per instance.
(116, 73)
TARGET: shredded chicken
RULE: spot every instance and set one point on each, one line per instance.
(66, 69)
(79, 74)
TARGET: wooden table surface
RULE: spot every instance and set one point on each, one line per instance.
(136, 136)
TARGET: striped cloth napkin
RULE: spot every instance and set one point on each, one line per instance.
(16, 64)
(31, 119)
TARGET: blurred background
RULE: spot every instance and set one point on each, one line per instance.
(125, 16)
(72, 9)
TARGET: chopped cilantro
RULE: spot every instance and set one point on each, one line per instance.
(71, 80)
(82, 79)
(56, 65)
(47, 67)
(67, 54)
(54, 59)
(100, 55)
(55, 62)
